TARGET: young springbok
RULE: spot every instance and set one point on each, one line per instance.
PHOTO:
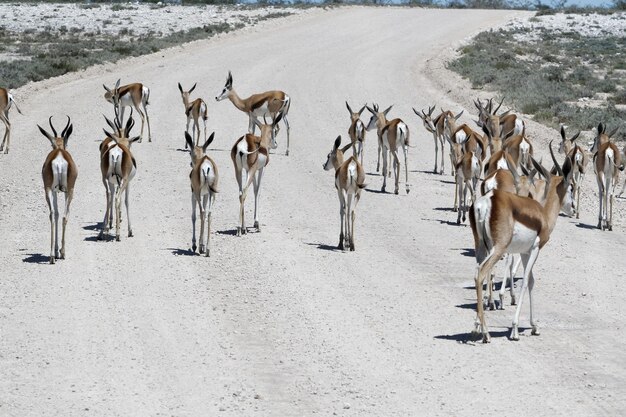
(59, 173)
(434, 126)
(118, 168)
(269, 103)
(579, 159)
(250, 154)
(135, 95)
(506, 223)
(356, 131)
(6, 100)
(468, 170)
(349, 181)
(608, 163)
(204, 177)
(194, 111)
(392, 135)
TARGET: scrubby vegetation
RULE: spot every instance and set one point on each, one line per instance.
(555, 77)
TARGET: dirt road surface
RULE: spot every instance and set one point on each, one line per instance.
(278, 323)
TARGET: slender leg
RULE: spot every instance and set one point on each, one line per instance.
(106, 212)
(145, 109)
(380, 147)
(7, 132)
(257, 188)
(288, 129)
(193, 222)
(251, 124)
(441, 143)
(407, 186)
(459, 191)
(196, 124)
(528, 260)
(611, 191)
(202, 202)
(187, 130)
(118, 207)
(484, 269)
(384, 155)
(239, 177)
(208, 228)
(143, 121)
(55, 202)
(435, 170)
(348, 220)
(205, 131)
(531, 284)
(342, 210)
(396, 170)
(127, 191)
(51, 209)
(600, 194)
(69, 194)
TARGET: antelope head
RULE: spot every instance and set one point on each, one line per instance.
(227, 88)
(354, 116)
(566, 145)
(378, 118)
(269, 131)
(427, 119)
(112, 94)
(197, 152)
(58, 142)
(335, 156)
(602, 137)
(185, 94)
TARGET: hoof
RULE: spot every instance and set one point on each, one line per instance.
(396, 192)
(117, 238)
(610, 228)
(101, 236)
(52, 260)
(193, 248)
(256, 225)
(130, 234)
(287, 152)
(207, 253)
(238, 231)
(458, 221)
(514, 333)
(408, 190)
(455, 209)
(340, 245)
(382, 189)
(535, 331)
(502, 302)
(513, 302)
(486, 338)
(492, 305)
(201, 249)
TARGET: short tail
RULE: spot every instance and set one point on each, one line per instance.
(146, 92)
(15, 104)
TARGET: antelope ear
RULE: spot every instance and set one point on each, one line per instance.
(180, 87)
(614, 131)
(193, 88)
(189, 140)
(110, 123)
(375, 106)
(337, 142)
(485, 130)
(135, 139)
(46, 134)
(418, 113)
(540, 169)
(563, 133)
(371, 110)
(348, 106)
(431, 110)
(361, 111)
(106, 88)
(208, 142)
(478, 123)
(277, 119)
(387, 111)
(575, 136)
(108, 135)
(567, 169)
(458, 115)
(229, 80)
(600, 129)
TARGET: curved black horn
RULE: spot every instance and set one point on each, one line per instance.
(52, 127)
(556, 164)
(498, 108)
(65, 128)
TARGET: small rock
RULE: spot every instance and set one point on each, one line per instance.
(346, 406)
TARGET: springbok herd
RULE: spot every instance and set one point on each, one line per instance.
(512, 217)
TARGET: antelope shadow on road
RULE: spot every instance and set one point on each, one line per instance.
(36, 258)
(324, 246)
(470, 338)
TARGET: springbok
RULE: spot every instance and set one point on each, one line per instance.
(464, 140)
(579, 163)
(520, 148)
(435, 126)
(250, 154)
(498, 124)
(269, 103)
(392, 135)
(449, 127)
(468, 173)
(506, 223)
(204, 177)
(349, 181)
(356, 131)
(59, 173)
(608, 163)
(194, 111)
(132, 95)
(118, 168)
(6, 100)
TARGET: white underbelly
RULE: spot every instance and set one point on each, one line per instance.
(523, 239)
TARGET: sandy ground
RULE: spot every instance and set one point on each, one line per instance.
(278, 323)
